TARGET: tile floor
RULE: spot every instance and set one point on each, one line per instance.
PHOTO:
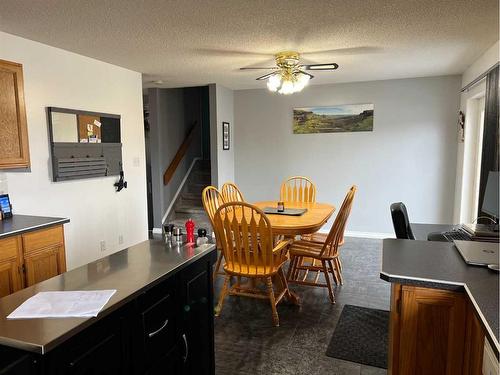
(246, 343)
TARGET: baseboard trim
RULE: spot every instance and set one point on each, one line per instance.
(375, 235)
(178, 191)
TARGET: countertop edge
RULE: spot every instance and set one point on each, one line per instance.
(35, 227)
(396, 278)
(44, 349)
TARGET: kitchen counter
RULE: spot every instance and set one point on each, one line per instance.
(130, 272)
(439, 265)
(19, 224)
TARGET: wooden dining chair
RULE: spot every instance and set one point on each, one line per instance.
(246, 238)
(231, 193)
(326, 253)
(298, 189)
(212, 199)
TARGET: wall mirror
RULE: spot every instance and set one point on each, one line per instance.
(84, 144)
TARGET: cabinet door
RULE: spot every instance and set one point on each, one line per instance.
(101, 349)
(10, 265)
(169, 364)
(474, 343)
(43, 264)
(14, 150)
(44, 255)
(432, 331)
(197, 339)
(157, 325)
(16, 362)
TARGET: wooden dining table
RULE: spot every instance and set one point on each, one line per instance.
(311, 221)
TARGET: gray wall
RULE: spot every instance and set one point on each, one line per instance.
(410, 156)
(172, 112)
(221, 110)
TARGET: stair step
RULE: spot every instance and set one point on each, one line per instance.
(191, 196)
(203, 164)
(185, 209)
(196, 188)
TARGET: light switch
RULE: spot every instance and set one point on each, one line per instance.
(136, 162)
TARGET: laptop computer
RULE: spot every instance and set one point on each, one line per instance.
(478, 253)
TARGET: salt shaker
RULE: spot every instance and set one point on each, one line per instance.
(202, 237)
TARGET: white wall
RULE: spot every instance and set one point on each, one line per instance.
(54, 77)
(410, 156)
(465, 209)
(221, 110)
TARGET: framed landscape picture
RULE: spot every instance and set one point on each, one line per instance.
(334, 119)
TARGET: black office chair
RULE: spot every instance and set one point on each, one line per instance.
(401, 222)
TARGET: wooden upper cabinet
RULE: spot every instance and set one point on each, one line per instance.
(14, 149)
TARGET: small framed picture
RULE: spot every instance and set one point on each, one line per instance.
(226, 137)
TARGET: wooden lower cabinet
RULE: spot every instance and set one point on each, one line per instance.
(433, 331)
(29, 258)
(11, 277)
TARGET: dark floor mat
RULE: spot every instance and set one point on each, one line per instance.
(361, 336)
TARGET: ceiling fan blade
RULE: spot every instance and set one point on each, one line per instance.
(321, 67)
(265, 76)
(257, 68)
(307, 74)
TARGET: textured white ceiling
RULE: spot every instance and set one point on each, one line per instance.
(188, 42)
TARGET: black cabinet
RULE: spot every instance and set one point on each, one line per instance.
(166, 329)
(16, 362)
(101, 349)
(197, 331)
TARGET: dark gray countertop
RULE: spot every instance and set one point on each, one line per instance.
(439, 265)
(129, 271)
(18, 224)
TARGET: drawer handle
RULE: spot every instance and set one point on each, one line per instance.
(158, 330)
(186, 348)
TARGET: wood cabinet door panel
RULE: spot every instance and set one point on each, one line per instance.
(10, 266)
(14, 150)
(432, 331)
(43, 265)
(39, 239)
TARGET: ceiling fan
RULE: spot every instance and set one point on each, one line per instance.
(289, 75)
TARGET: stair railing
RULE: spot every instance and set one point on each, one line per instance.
(181, 152)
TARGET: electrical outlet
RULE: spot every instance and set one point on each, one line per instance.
(120, 239)
(103, 245)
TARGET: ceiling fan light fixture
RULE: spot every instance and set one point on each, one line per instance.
(274, 82)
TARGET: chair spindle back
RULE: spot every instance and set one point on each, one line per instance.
(336, 234)
(232, 193)
(246, 239)
(298, 189)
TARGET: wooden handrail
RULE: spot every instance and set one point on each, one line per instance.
(169, 172)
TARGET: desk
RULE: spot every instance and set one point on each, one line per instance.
(316, 216)
(420, 231)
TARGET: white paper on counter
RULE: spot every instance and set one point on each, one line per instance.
(67, 304)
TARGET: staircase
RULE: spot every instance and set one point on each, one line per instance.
(188, 204)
